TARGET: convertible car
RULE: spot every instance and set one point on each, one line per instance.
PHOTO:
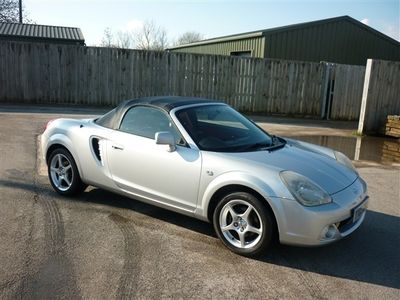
(202, 158)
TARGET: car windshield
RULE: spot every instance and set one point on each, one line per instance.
(220, 128)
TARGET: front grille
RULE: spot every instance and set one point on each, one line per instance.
(345, 224)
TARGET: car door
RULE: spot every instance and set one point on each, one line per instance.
(141, 167)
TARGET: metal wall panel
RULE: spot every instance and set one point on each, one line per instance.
(339, 42)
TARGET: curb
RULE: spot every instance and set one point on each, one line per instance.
(41, 167)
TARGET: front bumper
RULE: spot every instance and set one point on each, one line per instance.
(309, 226)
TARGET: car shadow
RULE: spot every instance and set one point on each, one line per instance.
(370, 254)
(103, 197)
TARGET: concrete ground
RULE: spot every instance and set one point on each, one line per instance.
(101, 245)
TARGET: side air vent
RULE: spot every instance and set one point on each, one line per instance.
(96, 147)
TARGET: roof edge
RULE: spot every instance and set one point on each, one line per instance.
(373, 30)
(329, 20)
(40, 40)
(33, 24)
(29, 37)
(240, 36)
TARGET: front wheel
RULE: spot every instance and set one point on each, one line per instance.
(63, 173)
(243, 224)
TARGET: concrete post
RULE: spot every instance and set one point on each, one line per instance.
(364, 96)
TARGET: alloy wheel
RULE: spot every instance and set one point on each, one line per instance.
(241, 224)
(61, 172)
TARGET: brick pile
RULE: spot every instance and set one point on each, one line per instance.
(393, 126)
(391, 151)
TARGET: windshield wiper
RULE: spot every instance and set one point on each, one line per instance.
(276, 146)
(277, 143)
(274, 138)
(255, 146)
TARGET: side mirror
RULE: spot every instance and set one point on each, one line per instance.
(166, 138)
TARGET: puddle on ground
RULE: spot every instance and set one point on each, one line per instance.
(376, 149)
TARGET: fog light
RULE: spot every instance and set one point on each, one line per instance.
(329, 232)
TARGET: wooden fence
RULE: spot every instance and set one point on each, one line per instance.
(68, 74)
(381, 95)
(43, 73)
(347, 86)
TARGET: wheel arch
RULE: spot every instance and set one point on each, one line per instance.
(230, 188)
(52, 148)
(64, 143)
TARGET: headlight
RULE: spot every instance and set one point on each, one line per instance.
(344, 160)
(304, 190)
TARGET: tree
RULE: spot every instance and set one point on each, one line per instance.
(125, 40)
(119, 39)
(151, 37)
(9, 12)
(108, 38)
(189, 37)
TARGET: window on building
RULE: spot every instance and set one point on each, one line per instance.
(241, 53)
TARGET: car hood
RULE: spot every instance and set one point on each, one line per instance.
(314, 162)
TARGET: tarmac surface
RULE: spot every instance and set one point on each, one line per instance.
(101, 245)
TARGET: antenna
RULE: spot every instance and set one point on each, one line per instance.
(20, 11)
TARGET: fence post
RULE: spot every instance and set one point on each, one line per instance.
(327, 91)
(364, 96)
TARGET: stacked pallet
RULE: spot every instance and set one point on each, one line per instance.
(393, 126)
(391, 151)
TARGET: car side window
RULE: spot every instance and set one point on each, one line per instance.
(147, 121)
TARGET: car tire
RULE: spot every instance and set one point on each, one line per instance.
(244, 224)
(63, 173)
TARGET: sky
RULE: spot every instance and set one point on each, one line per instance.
(210, 18)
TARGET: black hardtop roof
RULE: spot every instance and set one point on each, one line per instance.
(166, 103)
(113, 118)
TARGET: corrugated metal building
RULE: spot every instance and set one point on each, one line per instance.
(340, 40)
(41, 33)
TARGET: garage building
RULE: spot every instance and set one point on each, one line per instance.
(339, 40)
(35, 33)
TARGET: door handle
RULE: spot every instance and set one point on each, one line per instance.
(117, 147)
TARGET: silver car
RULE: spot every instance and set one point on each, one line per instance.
(202, 158)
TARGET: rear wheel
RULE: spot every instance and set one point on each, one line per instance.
(63, 173)
(243, 224)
